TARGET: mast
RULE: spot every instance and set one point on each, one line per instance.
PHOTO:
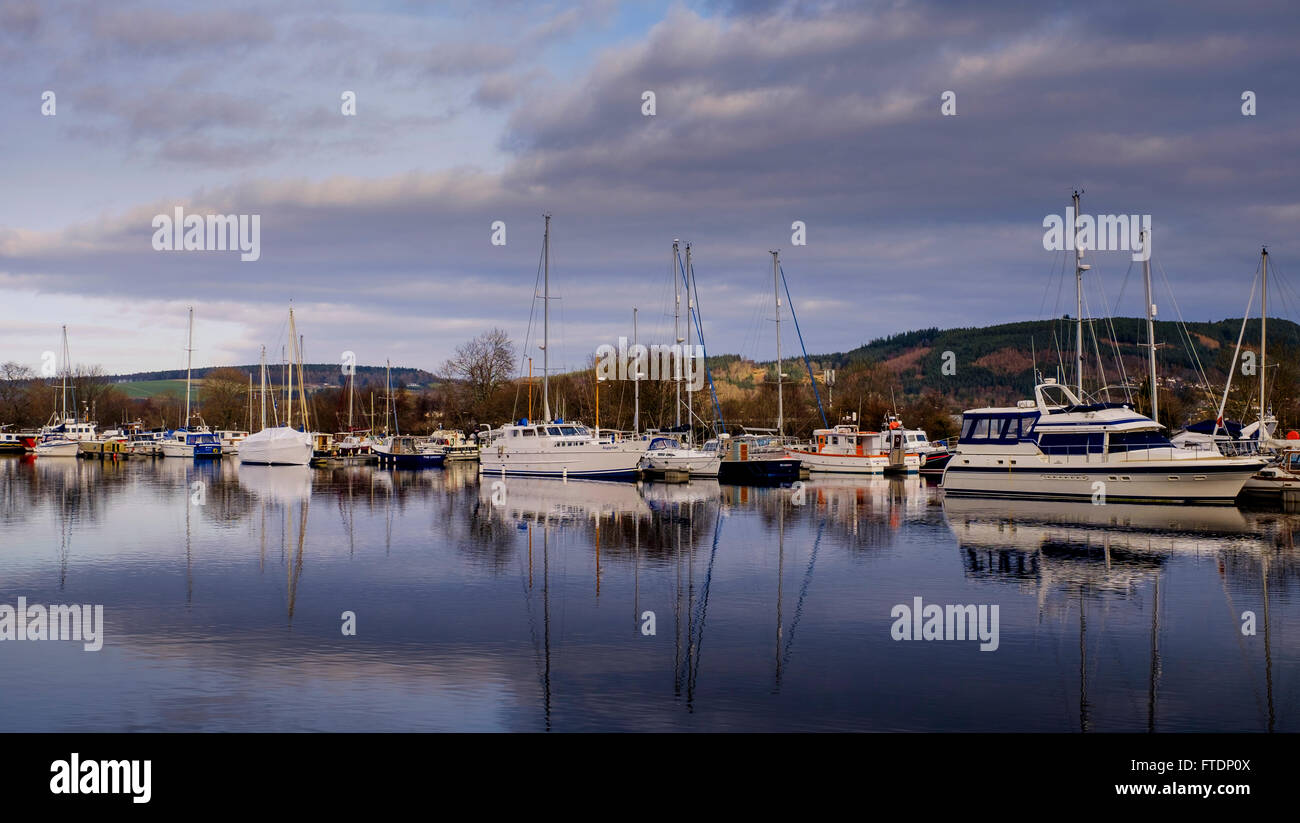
(293, 336)
(636, 382)
(64, 410)
(1079, 268)
(250, 402)
(1151, 327)
(1263, 341)
(677, 338)
(546, 320)
(776, 292)
(690, 308)
(263, 392)
(189, 357)
(388, 391)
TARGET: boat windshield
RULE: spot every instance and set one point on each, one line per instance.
(568, 430)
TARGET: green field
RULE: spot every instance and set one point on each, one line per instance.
(152, 388)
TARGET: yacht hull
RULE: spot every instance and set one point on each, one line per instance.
(597, 461)
(1203, 482)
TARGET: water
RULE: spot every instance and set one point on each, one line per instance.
(522, 608)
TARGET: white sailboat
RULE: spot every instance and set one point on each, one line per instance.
(63, 439)
(280, 445)
(552, 447)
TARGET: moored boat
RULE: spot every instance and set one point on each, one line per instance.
(1057, 447)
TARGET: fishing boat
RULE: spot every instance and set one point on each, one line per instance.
(280, 445)
(552, 447)
(843, 449)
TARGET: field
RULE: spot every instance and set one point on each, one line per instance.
(152, 388)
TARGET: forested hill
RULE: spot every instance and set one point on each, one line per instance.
(315, 374)
(1003, 356)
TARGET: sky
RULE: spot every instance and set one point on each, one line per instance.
(377, 227)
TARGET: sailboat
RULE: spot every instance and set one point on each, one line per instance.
(553, 447)
(1060, 447)
(760, 458)
(404, 451)
(665, 453)
(186, 441)
(281, 445)
(63, 439)
(1230, 436)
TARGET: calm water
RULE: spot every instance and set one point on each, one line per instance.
(522, 608)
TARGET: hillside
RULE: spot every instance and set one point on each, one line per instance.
(315, 374)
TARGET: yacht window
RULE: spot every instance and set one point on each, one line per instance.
(967, 428)
(1295, 462)
(569, 430)
(514, 432)
(553, 431)
(981, 428)
(530, 432)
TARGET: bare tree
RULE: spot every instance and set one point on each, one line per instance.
(483, 364)
(14, 381)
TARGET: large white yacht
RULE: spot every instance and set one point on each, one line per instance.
(552, 447)
(556, 449)
(1056, 447)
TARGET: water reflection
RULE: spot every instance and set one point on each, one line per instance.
(552, 605)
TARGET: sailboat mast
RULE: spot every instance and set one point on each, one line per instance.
(263, 392)
(546, 320)
(636, 382)
(189, 357)
(1151, 327)
(690, 308)
(677, 337)
(1263, 340)
(293, 338)
(64, 410)
(776, 292)
(1079, 269)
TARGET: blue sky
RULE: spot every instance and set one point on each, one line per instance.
(377, 226)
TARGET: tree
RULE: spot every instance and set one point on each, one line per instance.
(14, 382)
(482, 365)
(224, 398)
